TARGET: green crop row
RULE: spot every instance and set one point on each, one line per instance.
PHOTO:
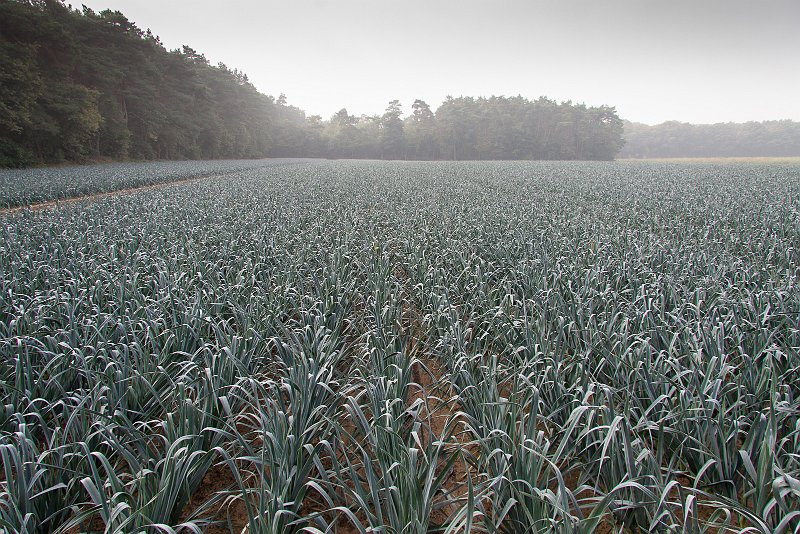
(408, 347)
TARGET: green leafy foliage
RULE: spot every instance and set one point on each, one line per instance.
(416, 347)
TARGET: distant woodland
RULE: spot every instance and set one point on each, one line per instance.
(78, 85)
(680, 139)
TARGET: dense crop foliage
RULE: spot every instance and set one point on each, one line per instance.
(495, 347)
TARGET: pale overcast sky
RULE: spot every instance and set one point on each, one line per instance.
(697, 61)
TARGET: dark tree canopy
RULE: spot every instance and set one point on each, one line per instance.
(78, 85)
(516, 128)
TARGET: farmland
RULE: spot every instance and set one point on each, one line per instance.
(405, 347)
(48, 184)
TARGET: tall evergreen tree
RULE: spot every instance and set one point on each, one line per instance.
(393, 141)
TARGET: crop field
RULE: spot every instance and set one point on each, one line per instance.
(406, 348)
(31, 186)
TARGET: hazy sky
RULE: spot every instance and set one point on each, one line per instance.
(655, 60)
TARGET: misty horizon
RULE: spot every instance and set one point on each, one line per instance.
(93, 84)
(709, 62)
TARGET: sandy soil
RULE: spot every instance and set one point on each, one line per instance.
(55, 204)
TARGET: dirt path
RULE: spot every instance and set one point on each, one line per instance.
(58, 203)
(435, 390)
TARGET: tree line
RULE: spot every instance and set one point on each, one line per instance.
(680, 139)
(79, 85)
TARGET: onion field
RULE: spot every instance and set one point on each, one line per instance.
(363, 346)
